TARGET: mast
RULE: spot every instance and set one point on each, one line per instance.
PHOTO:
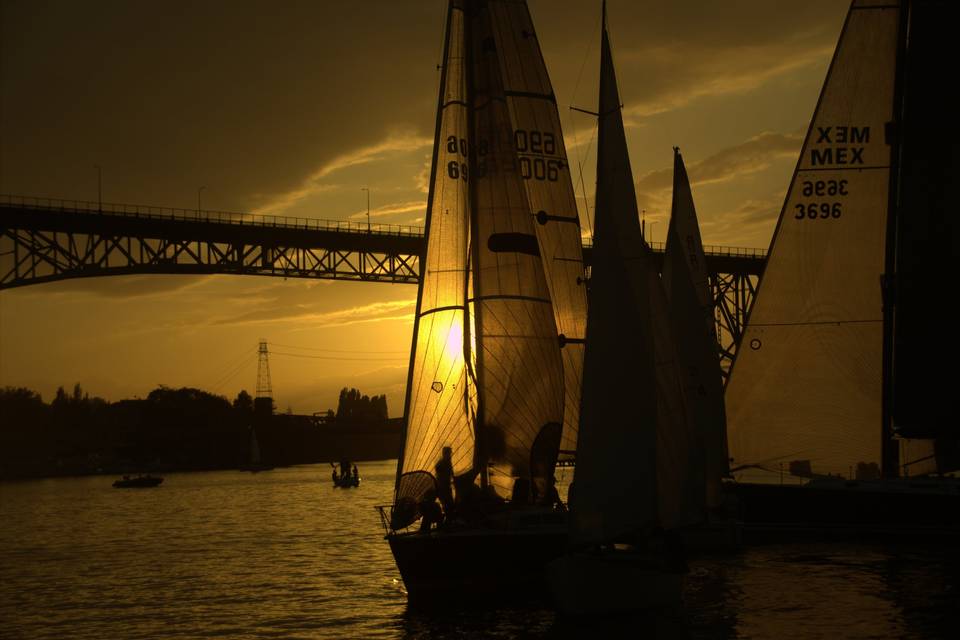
(437, 141)
(471, 10)
(889, 449)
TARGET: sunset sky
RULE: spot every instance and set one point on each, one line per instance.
(293, 107)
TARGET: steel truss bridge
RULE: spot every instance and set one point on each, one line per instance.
(44, 240)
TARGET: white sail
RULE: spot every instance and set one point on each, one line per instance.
(437, 408)
(806, 382)
(486, 378)
(519, 367)
(631, 459)
(538, 140)
(254, 448)
(687, 285)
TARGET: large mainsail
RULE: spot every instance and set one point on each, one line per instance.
(687, 285)
(520, 372)
(806, 382)
(486, 378)
(628, 460)
(437, 408)
(538, 140)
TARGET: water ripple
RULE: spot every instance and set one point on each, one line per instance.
(282, 554)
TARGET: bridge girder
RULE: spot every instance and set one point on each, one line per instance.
(46, 241)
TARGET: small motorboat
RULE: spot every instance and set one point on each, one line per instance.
(139, 482)
(345, 479)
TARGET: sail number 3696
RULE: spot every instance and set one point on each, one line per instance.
(821, 210)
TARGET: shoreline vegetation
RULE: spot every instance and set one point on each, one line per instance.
(183, 429)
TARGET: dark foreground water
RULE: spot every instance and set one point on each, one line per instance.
(281, 554)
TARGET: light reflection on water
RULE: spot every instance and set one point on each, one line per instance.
(282, 554)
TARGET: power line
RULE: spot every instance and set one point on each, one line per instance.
(291, 346)
(303, 355)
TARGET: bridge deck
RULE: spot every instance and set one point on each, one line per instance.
(44, 240)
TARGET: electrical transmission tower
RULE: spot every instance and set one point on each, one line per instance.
(264, 399)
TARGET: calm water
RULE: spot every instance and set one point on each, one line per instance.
(281, 554)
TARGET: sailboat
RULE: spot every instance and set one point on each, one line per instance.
(255, 464)
(833, 425)
(494, 383)
(687, 286)
(635, 450)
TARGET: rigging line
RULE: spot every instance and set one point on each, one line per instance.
(302, 355)
(583, 65)
(583, 186)
(290, 346)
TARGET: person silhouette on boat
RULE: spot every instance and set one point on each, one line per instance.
(344, 470)
(430, 512)
(356, 474)
(444, 474)
(552, 496)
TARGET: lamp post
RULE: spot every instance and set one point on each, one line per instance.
(199, 191)
(99, 188)
(367, 189)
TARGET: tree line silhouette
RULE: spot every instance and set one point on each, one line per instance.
(173, 429)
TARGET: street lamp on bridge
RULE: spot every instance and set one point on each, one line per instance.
(99, 188)
(367, 189)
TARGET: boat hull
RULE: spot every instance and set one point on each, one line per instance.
(896, 509)
(612, 581)
(137, 483)
(477, 566)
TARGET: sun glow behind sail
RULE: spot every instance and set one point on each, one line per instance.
(497, 399)
(437, 405)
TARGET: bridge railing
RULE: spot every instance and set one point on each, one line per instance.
(205, 215)
(257, 219)
(709, 249)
